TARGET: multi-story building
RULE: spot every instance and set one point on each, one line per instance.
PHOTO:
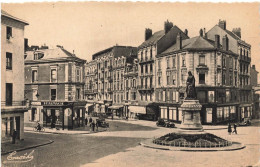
(109, 78)
(215, 68)
(255, 92)
(54, 83)
(153, 45)
(12, 76)
(90, 85)
(130, 78)
(243, 49)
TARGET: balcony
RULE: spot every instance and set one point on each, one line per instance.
(202, 68)
(14, 105)
(146, 60)
(145, 87)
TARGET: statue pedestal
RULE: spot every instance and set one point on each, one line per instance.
(191, 115)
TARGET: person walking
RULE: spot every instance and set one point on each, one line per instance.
(86, 121)
(93, 126)
(229, 129)
(235, 129)
(97, 125)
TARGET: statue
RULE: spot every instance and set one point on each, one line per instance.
(190, 88)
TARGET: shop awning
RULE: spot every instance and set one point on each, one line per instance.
(137, 109)
(115, 107)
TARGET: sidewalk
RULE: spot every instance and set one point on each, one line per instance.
(65, 131)
(21, 145)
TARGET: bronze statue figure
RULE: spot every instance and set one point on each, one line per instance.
(190, 88)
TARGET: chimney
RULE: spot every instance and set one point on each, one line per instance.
(217, 41)
(201, 32)
(148, 33)
(225, 43)
(167, 26)
(237, 31)
(186, 32)
(179, 41)
(253, 67)
(222, 24)
(204, 33)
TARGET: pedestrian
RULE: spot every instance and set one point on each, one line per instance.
(229, 129)
(14, 136)
(235, 129)
(90, 120)
(86, 121)
(93, 126)
(97, 125)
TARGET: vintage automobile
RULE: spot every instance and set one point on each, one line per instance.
(102, 123)
(161, 122)
(245, 122)
(169, 124)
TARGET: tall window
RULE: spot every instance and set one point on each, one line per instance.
(8, 32)
(53, 75)
(78, 94)
(202, 60)
(173, 62)
(8, 94)
(78, 74)
(224, 62)
(183, 61)
(159, 64)
(231, 80)
(9, 61)
(53, 94)
(151, 82)
(224, 79)
(159, 81)
(168, 80)
(168, 63)
(146, 68)
(151, 53)
(202, 78)
(34, 75)
(151, 68)
(141, 56)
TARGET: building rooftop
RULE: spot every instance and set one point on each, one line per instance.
(118, 51)
(153, 39)
(4, 13)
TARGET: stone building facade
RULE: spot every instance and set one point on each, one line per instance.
(243, 49)
(12, 76)
(54, 83)
(109, 78)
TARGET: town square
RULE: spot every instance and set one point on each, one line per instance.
(130, 84)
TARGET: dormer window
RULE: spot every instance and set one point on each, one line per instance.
(8, 32)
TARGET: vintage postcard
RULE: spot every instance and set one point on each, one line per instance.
(124, 84)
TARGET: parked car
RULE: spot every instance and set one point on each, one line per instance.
(245, 122)
(102, 123)
(169, 124)
(161, 122)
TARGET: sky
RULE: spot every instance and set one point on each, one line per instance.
(89, 27)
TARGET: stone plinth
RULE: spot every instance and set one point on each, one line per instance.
(191, 115)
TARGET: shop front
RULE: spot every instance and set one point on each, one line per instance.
(116, 110)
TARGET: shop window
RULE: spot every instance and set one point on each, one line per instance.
(53, 94)
(226, 113)
(228, 96)
(9, 61)
(202, 96)
(8, 32)
(201, 78)
(211, 96)
(219, 114)
(209, 115)
(33, 114)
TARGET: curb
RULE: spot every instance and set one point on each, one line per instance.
(88, 132)
(22, 149)
(168, 148)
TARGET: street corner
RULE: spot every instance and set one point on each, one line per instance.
(21, 145)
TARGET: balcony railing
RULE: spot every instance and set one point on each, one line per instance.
(22, 104)
(146, 59)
